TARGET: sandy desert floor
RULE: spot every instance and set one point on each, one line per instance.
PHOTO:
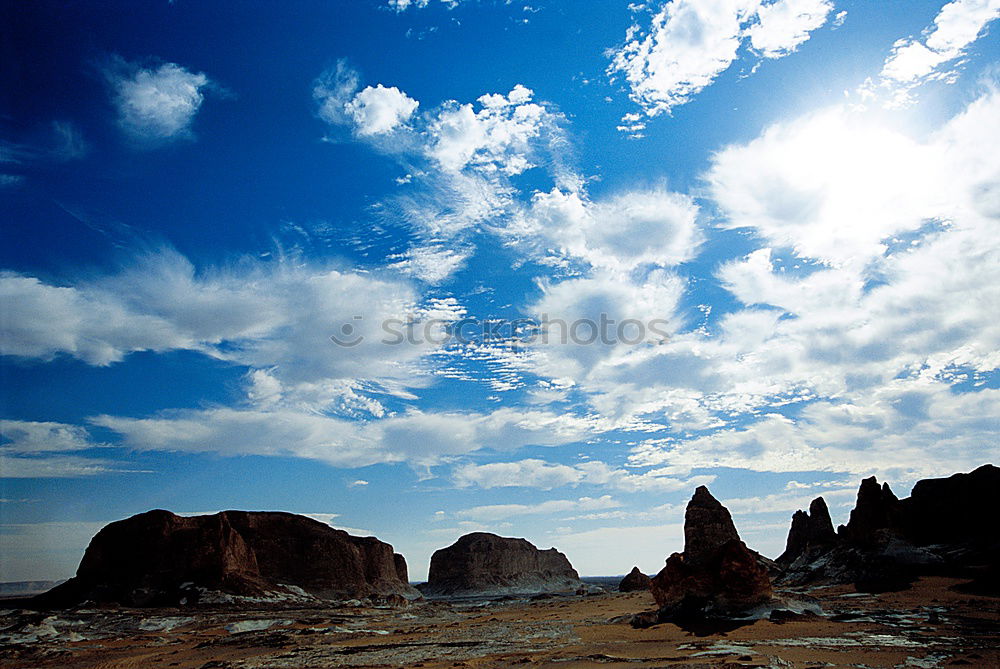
(927, 626)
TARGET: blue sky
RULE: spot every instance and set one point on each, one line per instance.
(793, 203)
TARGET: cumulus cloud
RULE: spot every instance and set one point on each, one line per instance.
(597, 321)
(832, 186)
(379, 110)
(934, 56)
(458, 158)
(876, 272)
(622, 232)
(689, 43)
(156, 104)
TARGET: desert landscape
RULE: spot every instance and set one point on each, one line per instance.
(261, 590)
(499, 333)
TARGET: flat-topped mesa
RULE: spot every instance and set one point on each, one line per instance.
(809, 531)
(486, 564)
(160, 559)
(635, 581)
(716, 575)
(953, 510)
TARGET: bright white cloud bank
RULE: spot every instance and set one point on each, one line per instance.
(690, 42)
(157, 104)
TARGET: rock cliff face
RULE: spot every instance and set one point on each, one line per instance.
(939, 529)
(954, 509)
(486, 564)
(810, 530)
(158, 558)
(876, 511)
(635, 581)
(716, 575)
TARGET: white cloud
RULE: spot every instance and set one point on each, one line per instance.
(403, 5)
(784, 25)
(30, 449)
(278, 317)
(432, 263)
(503, 511)
(933, 57)
(458, 159)
(380, 110)
(496, 137)
(906, 431)
(534, 473)
(832, 185)
(529, 473)
(418, 438)
(29, 437)
(623, 232)
(904, 289)
(690, 42)
(334, 90)
(594, 322)
(158, 104)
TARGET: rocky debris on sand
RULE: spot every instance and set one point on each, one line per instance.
(716, 575)
(158, 558)
(888, 542)
(486, 564)
(635, 581)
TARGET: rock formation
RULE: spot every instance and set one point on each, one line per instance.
(953, 509)
(716, 575)
(876, 512)
(402, 573)
(888, 542)
(486, 564)
(158, 558)
(634, 581)
(810, 530)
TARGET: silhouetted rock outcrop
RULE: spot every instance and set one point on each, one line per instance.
(716, 575)
(810, 530)
(875, 514)
(940, 529)
(634, 581)
(952, 510)
(158, 558)
(486, 564)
